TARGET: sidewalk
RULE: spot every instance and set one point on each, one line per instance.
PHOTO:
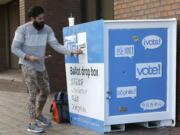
(13, 120)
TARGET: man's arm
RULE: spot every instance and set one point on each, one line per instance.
(52, 41)
(17, 43)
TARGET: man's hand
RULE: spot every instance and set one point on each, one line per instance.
(32, 58)
(78, 52)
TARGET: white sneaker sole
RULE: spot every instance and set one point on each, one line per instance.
(43, 124)
(34, 131)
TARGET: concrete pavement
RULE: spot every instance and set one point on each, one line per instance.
(13, 120)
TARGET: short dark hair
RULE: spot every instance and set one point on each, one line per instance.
(34, 11)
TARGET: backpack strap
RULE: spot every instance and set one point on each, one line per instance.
(59, 96)
(55, 112)
(51, 108)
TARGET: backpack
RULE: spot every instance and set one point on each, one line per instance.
(59, 108)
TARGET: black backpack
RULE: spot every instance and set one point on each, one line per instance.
(60, 108)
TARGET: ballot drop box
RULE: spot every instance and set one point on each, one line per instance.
(126, 74)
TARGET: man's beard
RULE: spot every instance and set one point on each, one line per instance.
(38, 26)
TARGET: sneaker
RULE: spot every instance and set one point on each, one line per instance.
(43, 121)
(35, 128)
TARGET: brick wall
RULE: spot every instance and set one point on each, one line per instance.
(56, 14)
(152, 9)
(142, 9)
(22, 11)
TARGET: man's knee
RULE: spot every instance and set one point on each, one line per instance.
(46, 92)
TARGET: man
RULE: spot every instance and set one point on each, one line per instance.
(29, 44)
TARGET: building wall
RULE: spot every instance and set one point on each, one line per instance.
(56, 15)
(13, 22)
(97, 9)
(152, 9)
(107, 9)
(2, 38)
(9, 20)
(142, 9)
